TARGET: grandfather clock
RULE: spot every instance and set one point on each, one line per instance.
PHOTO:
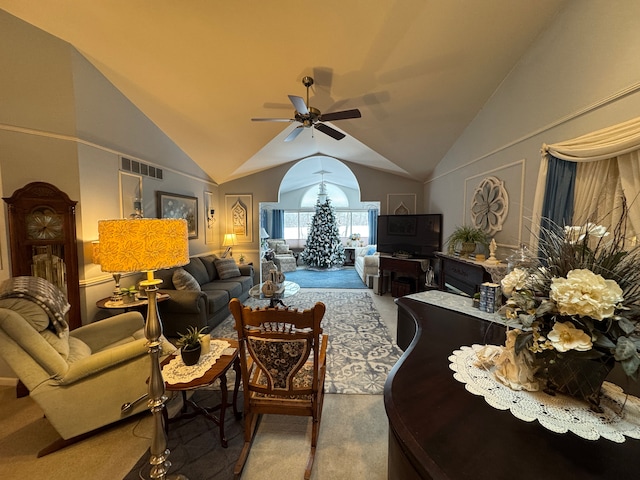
(42, 236)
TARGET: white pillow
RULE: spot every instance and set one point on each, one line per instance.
(282, 248)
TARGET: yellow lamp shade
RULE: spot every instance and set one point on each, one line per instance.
(95, 252)
(230, 239)
(144, 244)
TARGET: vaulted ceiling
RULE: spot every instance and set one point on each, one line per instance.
(418, 70)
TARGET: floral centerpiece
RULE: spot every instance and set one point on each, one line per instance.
(578, 312)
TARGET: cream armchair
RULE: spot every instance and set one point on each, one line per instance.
(82, 379)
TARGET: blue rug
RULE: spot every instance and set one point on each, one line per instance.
(347, 277)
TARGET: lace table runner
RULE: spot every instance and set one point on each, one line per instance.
(177, 372)
(559, 413)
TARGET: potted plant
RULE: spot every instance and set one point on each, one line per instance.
(190, 346)
(466, 238)
(241, 259)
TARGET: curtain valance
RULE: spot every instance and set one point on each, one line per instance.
(607, 143)
(599, 145)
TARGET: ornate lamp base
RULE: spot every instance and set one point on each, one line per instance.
(153, 333)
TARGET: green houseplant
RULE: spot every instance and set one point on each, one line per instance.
(190, 346)
(466, 238)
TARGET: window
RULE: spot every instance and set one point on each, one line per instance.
(296, 224)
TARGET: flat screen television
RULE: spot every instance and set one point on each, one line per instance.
(418, 235)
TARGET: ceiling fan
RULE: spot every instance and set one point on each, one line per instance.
(311, 117)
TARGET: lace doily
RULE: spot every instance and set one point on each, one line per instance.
(177, 372)
(559, 413)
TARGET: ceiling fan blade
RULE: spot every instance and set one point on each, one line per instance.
(272, 120)
(343, 115)
(326, 129)
(294, 134)
(299, 105)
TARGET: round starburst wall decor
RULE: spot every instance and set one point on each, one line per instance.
(489, 205)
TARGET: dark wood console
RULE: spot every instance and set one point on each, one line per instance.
(410, 268)
(438, 430)
(463, 274)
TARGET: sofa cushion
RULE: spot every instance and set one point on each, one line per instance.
(227, 268)
(372, 250)
(60, 344)
(77, 350)
(217, 298)
(183, 280)
(232, 287)
(197, 269)
(209, 263)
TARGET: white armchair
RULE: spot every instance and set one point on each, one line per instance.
(367, 262)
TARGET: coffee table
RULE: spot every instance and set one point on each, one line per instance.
(217, 371)
(288, 289)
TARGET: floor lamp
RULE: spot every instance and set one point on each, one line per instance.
(146, 245)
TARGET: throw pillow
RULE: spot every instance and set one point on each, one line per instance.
(183, 280)
(282, 248)
(371, 251)
(227, 268)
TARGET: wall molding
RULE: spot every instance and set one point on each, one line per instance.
(70, 138)
(634, 88)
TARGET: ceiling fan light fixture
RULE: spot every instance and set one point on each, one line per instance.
(311, 117)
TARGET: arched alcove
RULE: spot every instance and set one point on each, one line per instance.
(299, 191)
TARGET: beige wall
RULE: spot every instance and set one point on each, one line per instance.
(569, 83)
(264, 186)
(62, 122)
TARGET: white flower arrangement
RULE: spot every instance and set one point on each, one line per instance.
(580, 302)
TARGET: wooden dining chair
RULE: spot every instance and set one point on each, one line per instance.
(283, 359)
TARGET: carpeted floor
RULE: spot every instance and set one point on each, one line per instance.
(361, 351)
(360, 355)
(346, 277)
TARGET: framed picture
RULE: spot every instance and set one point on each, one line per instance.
(172, 205)
(239, 210)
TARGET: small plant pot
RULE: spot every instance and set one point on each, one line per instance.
(467, 248)
(190, 356)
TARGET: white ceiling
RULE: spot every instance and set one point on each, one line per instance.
(418, 70)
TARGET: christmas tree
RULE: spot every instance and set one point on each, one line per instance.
(324, 248)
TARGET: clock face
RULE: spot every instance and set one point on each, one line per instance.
(43, 224)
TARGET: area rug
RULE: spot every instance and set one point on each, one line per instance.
(361, 351)
(346, 277)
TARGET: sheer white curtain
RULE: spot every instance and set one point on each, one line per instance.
(599, 188)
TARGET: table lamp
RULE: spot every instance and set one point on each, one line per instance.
(116, 296)
(230, 239)
(146, 245)
(263, 238)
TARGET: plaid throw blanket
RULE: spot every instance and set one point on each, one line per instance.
(43, 293)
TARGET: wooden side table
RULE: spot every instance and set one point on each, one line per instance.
(217, 371)
(129, 303)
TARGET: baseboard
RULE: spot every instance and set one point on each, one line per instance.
(8, 382)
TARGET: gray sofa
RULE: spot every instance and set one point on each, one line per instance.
(206, 307)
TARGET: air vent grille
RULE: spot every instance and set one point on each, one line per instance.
(140, 168)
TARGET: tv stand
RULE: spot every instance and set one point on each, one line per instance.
(414, 269)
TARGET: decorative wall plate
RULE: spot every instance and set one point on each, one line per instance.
(489, 205)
